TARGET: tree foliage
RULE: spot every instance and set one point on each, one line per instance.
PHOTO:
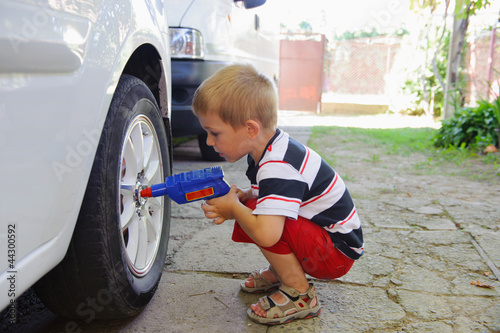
(464, 9)
(347, 35)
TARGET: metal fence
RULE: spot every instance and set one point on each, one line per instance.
(360, 66)
(480, 75)
(364, 66)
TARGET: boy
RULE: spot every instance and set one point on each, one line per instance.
(297, 211)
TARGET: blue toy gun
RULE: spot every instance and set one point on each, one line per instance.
(191, 186)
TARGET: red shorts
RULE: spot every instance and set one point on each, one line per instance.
(310, 243)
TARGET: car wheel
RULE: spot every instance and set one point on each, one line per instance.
(208, 153)
(117, 253)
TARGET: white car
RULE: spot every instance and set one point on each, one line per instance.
(84, 125)
(208, 35)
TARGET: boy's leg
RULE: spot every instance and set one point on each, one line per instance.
(291, 264)
(290, 272)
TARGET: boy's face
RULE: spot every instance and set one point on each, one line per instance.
(230, 143)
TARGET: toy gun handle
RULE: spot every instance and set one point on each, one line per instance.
(191, 186)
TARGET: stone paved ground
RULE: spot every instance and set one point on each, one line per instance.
(429, 233)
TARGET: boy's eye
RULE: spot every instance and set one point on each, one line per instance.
(214, 133)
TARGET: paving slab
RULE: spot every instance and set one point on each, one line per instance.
(431, 262)
(415, 276)
(196, 303)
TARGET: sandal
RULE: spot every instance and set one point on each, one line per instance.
(260, 283)
(300, 303)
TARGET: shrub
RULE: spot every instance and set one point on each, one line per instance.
(470, 127)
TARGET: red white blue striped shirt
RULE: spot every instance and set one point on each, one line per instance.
(292, 180)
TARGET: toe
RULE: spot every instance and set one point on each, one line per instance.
(249, 282)
(257, 309)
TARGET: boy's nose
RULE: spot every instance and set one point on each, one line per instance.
(210, 141)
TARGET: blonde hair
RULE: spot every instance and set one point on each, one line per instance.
(238, 93)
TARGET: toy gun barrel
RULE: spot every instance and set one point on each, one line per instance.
(191, 186)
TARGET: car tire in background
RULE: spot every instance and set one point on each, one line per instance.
(117, 254)
(208, 153)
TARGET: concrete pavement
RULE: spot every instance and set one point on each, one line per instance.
(400, 284)
(422, 253)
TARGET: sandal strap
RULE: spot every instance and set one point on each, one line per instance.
(274, 309)
(260, 281)
(266, 302)
(294, 301)
(290, 292)
(295, 294)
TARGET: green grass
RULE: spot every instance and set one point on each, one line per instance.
(400, 140)
(178, 141)
(404, 142)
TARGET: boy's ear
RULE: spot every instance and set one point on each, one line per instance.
(253, 128)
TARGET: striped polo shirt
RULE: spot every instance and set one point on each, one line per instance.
(292, 180)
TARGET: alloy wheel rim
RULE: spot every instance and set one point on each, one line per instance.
(140, 219)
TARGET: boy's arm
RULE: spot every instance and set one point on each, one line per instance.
(265, 230)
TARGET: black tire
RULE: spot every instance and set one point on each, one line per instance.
(98, 278)
(208, 153)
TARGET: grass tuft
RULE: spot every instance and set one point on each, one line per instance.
(413, 147)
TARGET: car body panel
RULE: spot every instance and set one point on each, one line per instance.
(52, 113)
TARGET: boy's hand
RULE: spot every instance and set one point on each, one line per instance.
(222, 208)
(244, 195)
